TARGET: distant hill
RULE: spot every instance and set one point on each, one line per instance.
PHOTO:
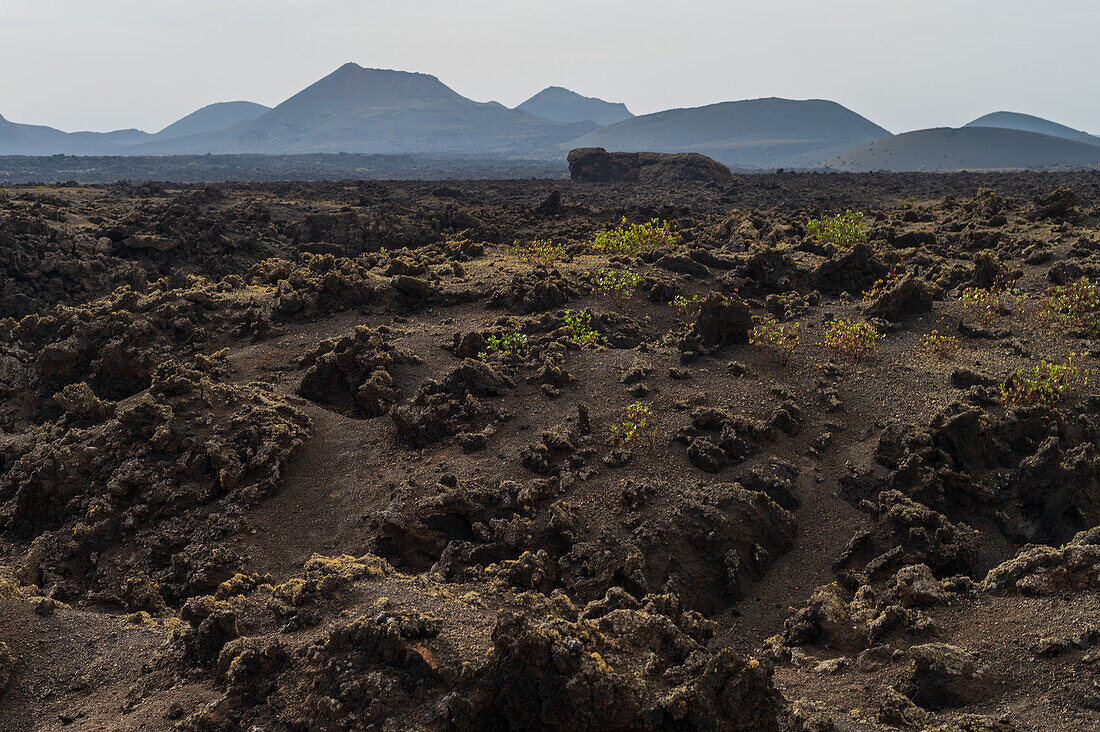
(562, 105)
(967, 148)
(358, 110)
(213, 117)
(756, 133)
(1030, 123)
(20, 139)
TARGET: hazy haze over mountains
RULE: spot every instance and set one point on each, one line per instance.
(381, 111)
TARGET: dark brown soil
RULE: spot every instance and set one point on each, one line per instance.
(260, 467)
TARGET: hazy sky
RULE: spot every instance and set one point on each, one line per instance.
(905, 64)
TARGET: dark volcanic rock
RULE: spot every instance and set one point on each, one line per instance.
(564, 673)
(947, 676)
(909, 297)
(854, 271)
(440, 409)
(721, 321)
(353, 373)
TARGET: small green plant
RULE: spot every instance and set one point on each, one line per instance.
(538, 251)
(777, 339)
(580, 326)
(990, 302)
(883, 284)
(383, 253)
(1076, 305)
(616, 285)
(633, 239)
(941, 344)
(1047, 383)
(853, 339)
(842, 230)
(514, 343)
(684, 306)
(635, 423)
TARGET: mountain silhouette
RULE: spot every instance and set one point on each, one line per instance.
(967, 148)
(1031, 123)
(212, 118)
(756, 133)
(380, 111)
(562, 105)
(355, 109)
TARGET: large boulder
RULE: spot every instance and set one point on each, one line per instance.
(594, 164)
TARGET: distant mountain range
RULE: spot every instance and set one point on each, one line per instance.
(758, 133)
(370, 111)
(967, 148)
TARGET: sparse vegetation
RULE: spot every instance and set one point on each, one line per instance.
(636, 422)
(616, 285)
(1047, 383)
(685, 306)
(941, 344)
(853, 339)
(580, 326)
(990, 302)
(513, 343)
(539, 251)
(883, 284)
(633, 239)
(842, 230)
(777, 339)
(525, 461)
(1076, 305)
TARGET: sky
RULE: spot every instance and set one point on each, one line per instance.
(113, 64)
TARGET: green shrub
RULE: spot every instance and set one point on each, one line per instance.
(842, 230)
(777, 339)
(1047, 383)
(1076, 305)
(941, 344)
(580, 326)
(635, 423)
(538, 251)
(514, 343)
(683, 305)
(616, 285)
(632, 239)
(852, 338)
(990, 302)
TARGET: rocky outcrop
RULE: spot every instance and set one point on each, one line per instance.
(594, 164)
